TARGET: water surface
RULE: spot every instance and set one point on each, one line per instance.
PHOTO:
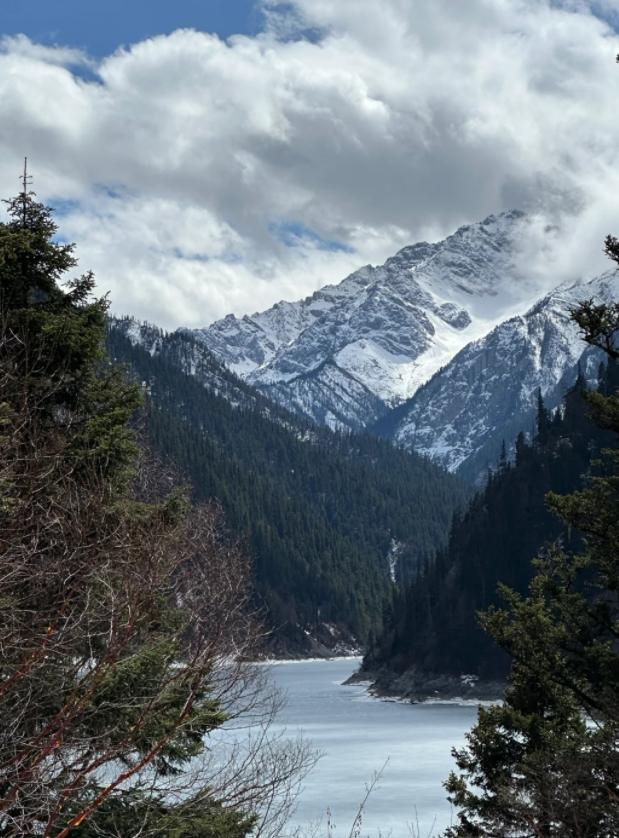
(357, 734)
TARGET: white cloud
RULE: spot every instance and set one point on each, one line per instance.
(390, 121)
(62, 56)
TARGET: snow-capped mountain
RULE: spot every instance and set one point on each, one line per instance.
(441, 349)
(183, 351)
(351, 352)
(487, 393)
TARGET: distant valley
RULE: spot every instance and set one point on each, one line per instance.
(327, 428)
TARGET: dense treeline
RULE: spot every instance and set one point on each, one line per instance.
(126, 629)
(545, 761)
(434, 627)
(321, 513)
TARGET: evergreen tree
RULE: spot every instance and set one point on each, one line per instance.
(319, 511)
(546, 762)
(503, 457)
(542, 420)
(435, 631)
(118, 604)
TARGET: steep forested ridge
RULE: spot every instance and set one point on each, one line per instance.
(433, 628)
(326, 517)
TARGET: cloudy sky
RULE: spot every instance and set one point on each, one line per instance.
(215, 156)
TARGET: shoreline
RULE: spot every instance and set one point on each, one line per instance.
(429, 688)
(409, 687)
(314, 659)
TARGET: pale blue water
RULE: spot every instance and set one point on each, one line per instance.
(356, 734)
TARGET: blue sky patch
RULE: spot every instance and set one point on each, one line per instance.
(294, 234)
(61, 206)
(599, 8)
(101, 26)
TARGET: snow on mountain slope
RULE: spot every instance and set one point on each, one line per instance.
(351, 352)
(487, 392)
(182, 350)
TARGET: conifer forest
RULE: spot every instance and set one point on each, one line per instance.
(309, 420)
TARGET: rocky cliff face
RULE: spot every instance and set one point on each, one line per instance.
(353, 351)
(487, 393)
(441, 349)
(191, 356)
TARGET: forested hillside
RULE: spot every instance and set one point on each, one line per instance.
(433, 629)
(329, 520)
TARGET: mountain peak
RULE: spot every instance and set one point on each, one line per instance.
(487, 392)
(352, 351)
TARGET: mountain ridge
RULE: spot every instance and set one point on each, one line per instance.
(350, 352)
(330, 520)
(487, 393)
(407, 348)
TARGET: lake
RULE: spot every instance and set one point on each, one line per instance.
(356, 734)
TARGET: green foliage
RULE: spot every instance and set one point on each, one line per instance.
(318, 510)
(192, 819)
(57, 353)
(32, 264)
(98, 672)
(598, 320)
(434, 627)
(546, 762)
